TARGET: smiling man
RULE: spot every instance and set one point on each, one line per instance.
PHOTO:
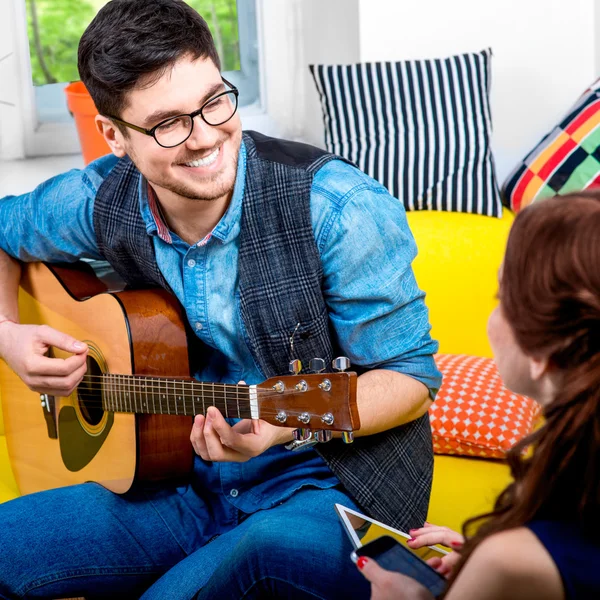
(261, 240)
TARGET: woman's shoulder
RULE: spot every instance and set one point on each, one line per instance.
(510, 564)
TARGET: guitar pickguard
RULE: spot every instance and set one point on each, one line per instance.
(77, 446)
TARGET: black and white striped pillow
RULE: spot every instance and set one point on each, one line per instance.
(422, 128)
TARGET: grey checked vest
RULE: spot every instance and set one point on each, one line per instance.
(280, 278)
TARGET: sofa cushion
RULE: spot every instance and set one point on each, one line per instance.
(474, 414)
(422, 128)
(567, 159)
(457, 268)
(464, 488)
(8, 486)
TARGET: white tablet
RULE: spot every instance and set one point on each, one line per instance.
(362, 529)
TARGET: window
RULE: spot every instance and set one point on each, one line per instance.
(54, 28)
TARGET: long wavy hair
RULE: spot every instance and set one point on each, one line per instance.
(550, 296)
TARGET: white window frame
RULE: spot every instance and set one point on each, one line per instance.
(21, 135)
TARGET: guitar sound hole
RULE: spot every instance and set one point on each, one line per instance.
(90, 393)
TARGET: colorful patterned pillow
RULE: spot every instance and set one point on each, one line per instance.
(474, 414)
(420, 127)
(567, 159)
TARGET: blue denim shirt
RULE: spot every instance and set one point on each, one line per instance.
(375, 306)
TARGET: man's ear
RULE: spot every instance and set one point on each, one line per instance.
(113, 137)
(538, 367)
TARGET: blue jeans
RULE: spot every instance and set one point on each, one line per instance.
(86, 541)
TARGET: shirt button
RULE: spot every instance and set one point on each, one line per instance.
(191, 263)
(199, 326)
(234, 493)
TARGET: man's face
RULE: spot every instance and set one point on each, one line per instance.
(205, 165)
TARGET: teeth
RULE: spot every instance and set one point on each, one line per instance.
(204, 162)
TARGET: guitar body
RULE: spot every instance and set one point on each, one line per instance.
(128, 332)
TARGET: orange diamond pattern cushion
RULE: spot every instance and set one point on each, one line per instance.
(474, 414)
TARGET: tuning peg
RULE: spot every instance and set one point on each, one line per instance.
(323, 435)
(295, 366)
(317, 365)
(302, 434)
(341, 363)
(348, 437)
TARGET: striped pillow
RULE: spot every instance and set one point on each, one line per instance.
(566, 160)
(421, 128)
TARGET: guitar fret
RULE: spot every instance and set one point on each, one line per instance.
(126, 389)
(118, 393)
(237, 398)
(153, 397)
(225, 398)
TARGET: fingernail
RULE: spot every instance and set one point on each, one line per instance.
(411, 540)
(411, 531)
(456, 544)
(78, 346)
(362, 561)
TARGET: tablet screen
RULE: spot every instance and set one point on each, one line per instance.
(362, 529)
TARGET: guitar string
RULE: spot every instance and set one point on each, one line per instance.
(160, 385)
(223, 403)
(93, 401)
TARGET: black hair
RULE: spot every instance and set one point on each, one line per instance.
(133, 39)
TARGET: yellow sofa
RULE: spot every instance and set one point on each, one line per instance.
(8, 486)
(459, 256)
(457, 266)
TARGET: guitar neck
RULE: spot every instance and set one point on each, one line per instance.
(158, 396)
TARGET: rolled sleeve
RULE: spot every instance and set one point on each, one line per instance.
(376, 308)
(54, 223)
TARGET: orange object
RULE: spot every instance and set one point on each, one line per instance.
(474, 414)
(84, 110)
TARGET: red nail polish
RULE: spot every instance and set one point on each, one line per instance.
(411, 539)
(456, 544)
(362, 561)
(411, 531)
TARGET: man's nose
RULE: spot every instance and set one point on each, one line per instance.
(203, 135)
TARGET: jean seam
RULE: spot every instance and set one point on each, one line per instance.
(77, 573)
(267, 577)
(169, 529)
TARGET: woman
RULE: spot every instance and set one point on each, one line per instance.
(543, 538)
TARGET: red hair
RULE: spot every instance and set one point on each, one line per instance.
(550, 296)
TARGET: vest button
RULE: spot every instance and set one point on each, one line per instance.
(199, 326)
(234, 493)
(191, 263)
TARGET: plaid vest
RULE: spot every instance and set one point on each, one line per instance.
(280, 277)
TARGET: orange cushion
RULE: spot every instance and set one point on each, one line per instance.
(474, 414)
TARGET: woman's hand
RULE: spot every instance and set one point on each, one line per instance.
(429, 535)
(388, 585)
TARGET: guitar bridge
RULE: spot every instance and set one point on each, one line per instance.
(49, 410)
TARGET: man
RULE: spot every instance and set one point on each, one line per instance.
(260, 240)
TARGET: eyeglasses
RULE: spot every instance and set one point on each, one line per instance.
(175, 130)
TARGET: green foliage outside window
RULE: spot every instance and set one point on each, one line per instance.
(55, 26)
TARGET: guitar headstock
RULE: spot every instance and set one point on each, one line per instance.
(317, 401)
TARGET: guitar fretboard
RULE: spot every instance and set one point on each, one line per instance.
(153, 395)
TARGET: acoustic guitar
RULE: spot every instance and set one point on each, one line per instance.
(130, 418)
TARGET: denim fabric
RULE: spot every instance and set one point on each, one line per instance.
(110, 546)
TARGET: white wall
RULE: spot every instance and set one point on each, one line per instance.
(11, 137)
(546, 52)
(296, 33)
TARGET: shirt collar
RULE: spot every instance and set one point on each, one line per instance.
(227, 228)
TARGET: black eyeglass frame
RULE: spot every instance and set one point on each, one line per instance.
(192, 116)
